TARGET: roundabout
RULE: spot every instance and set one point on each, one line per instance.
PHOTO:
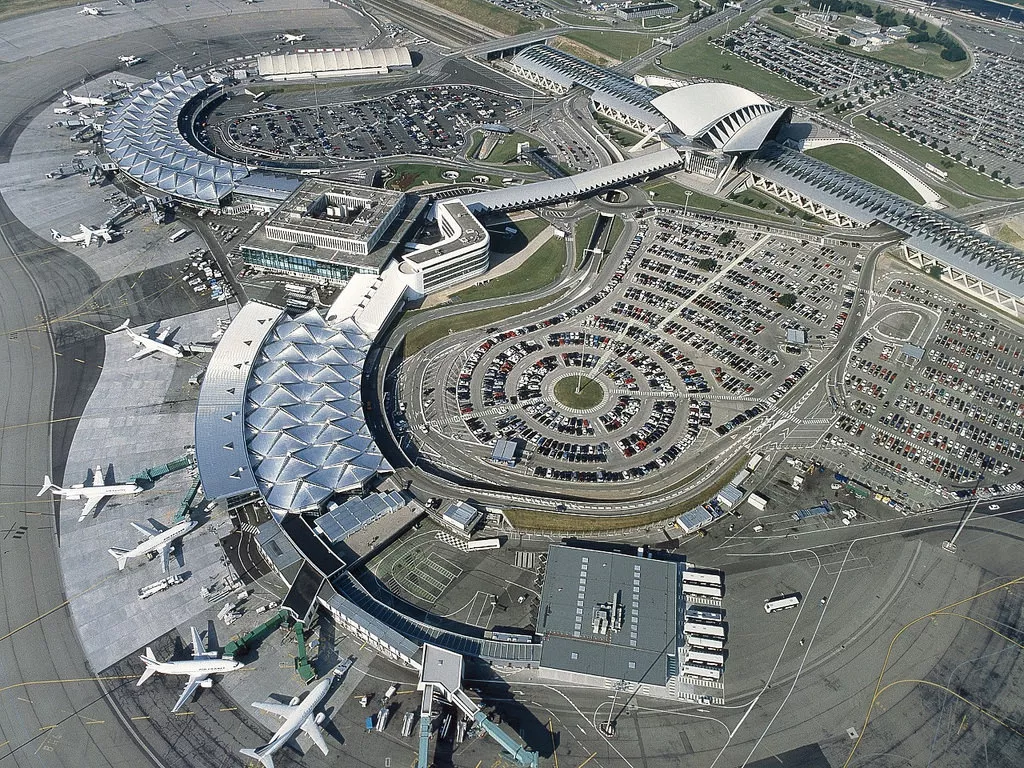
(578, 392)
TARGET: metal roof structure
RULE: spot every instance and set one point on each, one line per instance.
(307, 437)
(568, 70)
(554, 190)
(329, 61)
(641, 113)
(221, 453)
(345, 519)
(942, 237)
(722, 115)
(141, 135)
(609, 614)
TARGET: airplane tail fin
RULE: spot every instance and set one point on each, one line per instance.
(150, 661)
(121, 555)
(260, 755)
(48, 485)
(123, 326)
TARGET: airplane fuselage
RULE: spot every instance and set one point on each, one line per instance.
(156, 543)
(86, 492)
(194, 667)
(298, 717)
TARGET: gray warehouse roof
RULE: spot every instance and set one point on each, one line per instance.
(554, 190)
(141, 135)
(581, 587)
(332, 60)
(345, 519)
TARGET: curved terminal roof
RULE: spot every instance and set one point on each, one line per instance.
(141, 135)
(307, 437)
(725, 116)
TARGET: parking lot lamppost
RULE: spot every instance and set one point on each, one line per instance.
(686, 205)
(950, 545)
(316, 99)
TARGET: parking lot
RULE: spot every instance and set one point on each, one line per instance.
(977, 117)
(818, 69)
(689, 331)
(944, 417)
(422, 121)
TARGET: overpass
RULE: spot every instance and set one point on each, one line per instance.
(569, 187)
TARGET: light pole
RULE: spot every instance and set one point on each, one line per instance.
(950, 545)
(686, 205)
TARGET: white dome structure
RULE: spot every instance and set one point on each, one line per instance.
(722, 116)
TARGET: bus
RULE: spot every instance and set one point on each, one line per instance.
(699, 670)
(483, 544)
(699, 628)
(704, 590)
(781, 603)
(259, 96)
(702, 577)
(710, 643)
(181, 234)
(711, 658)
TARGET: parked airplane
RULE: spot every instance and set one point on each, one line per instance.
(93, 494)
(86, 235)
(295, 716)
(199, 668)
(90, 11)
(159, 539)
(291, 39)
(149, 346)
(129, 61)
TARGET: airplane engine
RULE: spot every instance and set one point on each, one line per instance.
(207, 683)
(294, 701)
(320, 718)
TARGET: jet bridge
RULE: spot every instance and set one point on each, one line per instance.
(441, 672)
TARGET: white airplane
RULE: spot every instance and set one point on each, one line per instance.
(129, 61)
(199, 668)
(159, 540)
(86, 236)
(93, 494)
(149, 346)
(295, 716)
(291, 39)
(90, 10)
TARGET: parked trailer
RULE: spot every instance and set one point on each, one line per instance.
(705, 642)
(702, 577)
(702, 612)
(705, 590)
(706, 657)
(699, 628)
(382, 719)
(699, 670)
(781, 603)
(407, 722)
(494, 543)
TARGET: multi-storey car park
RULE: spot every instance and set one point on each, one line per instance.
(701, 313)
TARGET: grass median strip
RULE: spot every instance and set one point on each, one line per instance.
(424, 335)
(864, 165)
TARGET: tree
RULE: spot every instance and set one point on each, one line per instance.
(787, 300)
(708, 265)
(726, 237)
(934, 271)
(779, 9)
(981, 167)
(842, 40)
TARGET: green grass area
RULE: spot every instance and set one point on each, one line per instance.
(556, 522)
(490, 15)
(1010, 235)
(752, 198)
(538, 271)
(580, 392)
(969, 180)
(505, 149)
(923, 57)
(864, 165)
(584, 229)
(426, 334)
(702, 59)
(615, 45)
(670, 192)
(409, 175)
(10, 9)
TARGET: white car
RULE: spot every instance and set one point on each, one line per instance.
(993, 507)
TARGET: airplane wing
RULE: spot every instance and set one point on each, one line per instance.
(141, 353)
(313, 731)
(144, 530)
(90, 504)
(162, 336)
(190, 688)
(274, 708)
(165, 557)
(98, 480)
(199, 647)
